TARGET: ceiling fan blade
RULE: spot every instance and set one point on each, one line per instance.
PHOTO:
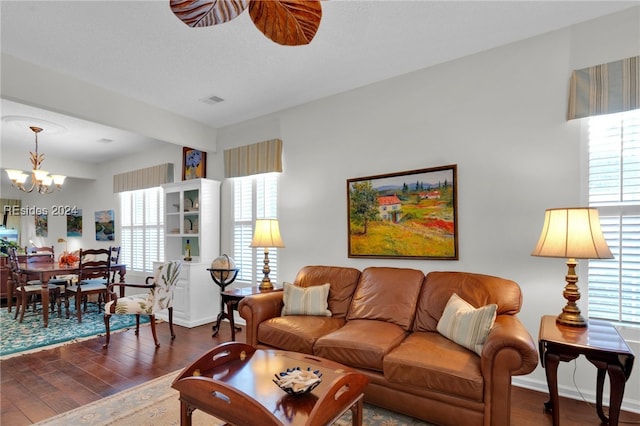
(287, 22)
(204, 13)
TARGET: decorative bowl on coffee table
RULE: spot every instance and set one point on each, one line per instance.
(296, 381)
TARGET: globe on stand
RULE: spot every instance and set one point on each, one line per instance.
(223, 272)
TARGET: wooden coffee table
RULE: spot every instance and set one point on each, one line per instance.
(234, 383)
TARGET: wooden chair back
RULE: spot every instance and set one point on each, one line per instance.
(40, 254)
(94, 264)
(115, 255)
(14, 266)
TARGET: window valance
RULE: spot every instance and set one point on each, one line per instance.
(149, 177)
(262, 157)
(605, 89)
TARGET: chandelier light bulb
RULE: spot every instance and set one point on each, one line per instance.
(58, 179)
(40, 175)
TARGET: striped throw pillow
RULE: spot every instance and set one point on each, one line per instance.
(466, 325)
(306, 300)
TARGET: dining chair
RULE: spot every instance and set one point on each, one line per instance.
(28, 292)
(115, 259)
(46, 254)
(94, 271)
(158, 298)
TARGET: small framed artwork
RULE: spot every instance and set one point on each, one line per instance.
(42, 225)
(405, 215)
(74, 223)
(194, 164)
(105, 228)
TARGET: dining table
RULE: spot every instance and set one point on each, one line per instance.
(44, 271)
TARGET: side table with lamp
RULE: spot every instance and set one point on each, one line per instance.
(575, 233)
(223, 272)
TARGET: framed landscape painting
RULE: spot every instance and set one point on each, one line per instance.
(405, 215)
(105, 228)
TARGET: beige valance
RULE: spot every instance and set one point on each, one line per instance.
(262, 157)
(149, 177)
(605, 89)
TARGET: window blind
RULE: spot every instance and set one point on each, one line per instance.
(614, 188)
(254, 197)
(142, 229)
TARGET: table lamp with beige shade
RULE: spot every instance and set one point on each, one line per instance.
(572, 233)
(266, 234)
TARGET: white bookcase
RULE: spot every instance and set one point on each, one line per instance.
(192, 213)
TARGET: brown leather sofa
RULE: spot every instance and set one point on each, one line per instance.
(383, 324)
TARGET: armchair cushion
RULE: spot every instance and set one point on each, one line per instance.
(466, 325)
(306, 301)
(135, 304)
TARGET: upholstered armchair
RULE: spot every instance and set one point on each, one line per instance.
(158, 298)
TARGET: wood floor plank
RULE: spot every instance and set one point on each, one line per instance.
(42, 384)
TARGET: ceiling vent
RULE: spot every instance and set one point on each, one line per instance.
(212, 100)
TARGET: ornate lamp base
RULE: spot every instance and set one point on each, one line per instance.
(265, 284)
(570, 315)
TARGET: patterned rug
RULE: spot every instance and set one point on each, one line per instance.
(155, 403)
(29, 335)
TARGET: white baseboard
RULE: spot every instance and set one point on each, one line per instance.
(573, 393)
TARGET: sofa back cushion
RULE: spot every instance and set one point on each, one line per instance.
(343, 282)
(387, 294)
(477, 289)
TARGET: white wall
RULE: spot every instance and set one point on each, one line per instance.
(498, 115)
(501, 117)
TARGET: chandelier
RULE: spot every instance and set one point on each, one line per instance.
(41, 181)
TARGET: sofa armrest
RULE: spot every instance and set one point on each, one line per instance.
(508, 351)
(258, 308)
(512, 345)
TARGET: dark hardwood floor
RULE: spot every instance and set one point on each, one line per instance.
(42, 384)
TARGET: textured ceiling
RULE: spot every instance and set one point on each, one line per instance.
(141, 50)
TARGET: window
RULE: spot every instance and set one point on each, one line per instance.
(254, 197)
(614, 188)
(142, 228)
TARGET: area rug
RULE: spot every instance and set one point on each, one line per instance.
(155, 403)
(28, 335)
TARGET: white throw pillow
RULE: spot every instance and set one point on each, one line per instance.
(306, 300)
(466, 325)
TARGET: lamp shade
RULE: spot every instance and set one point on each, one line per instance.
(572, 233)
(267, 234)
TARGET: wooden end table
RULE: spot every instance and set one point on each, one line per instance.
(231, 298)
(601, 344)
(234, 383)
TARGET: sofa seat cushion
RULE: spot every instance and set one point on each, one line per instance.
(360, 343)
(430, 360)
(296, 333)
